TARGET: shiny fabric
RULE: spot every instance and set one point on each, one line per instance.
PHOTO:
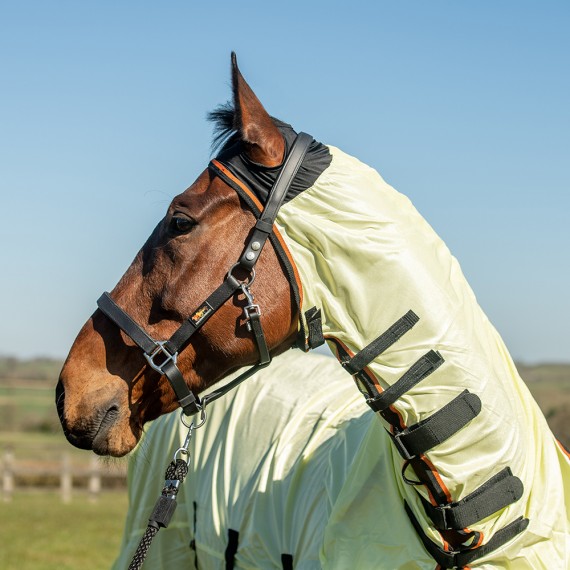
(366, 257)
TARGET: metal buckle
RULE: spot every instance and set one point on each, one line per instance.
(251, 309)
(444, 509)
(248, 311)
(401, 447)
(183, 449)
(160, 350)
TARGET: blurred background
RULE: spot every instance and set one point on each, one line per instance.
(461, 106)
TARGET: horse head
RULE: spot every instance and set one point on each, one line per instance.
(107, 390)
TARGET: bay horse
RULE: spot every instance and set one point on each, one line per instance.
(283, 241)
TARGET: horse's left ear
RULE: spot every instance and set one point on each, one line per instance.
(264, 143)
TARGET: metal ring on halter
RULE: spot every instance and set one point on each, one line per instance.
(191, 425)
(180, 450)
(251, 277)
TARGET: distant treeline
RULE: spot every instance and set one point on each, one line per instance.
(49, 368)
(40, 369)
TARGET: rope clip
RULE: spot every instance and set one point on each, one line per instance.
(183, 449)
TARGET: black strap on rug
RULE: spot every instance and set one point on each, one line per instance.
(315, 335)
(232, 548)
(460, 559)
(363, 358)
(501, 490)
(193, 541)
(419, 438)
(419, 370)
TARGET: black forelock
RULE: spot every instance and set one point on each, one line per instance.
(225, 132)
(228, 147)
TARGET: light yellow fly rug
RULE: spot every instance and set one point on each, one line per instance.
(284, 485)
(461, 471)
(480, 476)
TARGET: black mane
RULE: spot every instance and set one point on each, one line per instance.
(225, 132)
(228, 147)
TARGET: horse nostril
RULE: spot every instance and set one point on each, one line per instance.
(112, 411)
(60, 399)
(108, 418)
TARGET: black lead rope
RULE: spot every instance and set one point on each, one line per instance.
(166, 504)
(163, 510)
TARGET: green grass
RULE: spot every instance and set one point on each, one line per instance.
(39, 532)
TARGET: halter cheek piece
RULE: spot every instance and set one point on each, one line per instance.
(162, 355)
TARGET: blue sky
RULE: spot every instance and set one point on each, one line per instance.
(463, 106)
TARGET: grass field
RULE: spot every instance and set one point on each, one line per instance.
(39, 532)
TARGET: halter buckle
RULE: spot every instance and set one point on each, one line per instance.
(160, 350)
(251, 309)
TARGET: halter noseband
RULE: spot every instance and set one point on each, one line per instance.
(162, 355)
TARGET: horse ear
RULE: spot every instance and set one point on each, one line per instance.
(263, 141)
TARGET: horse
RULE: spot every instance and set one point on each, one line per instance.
(283, 241)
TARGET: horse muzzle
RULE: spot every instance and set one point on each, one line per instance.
(96, 429)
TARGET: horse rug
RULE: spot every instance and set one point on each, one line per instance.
(402, 319)
(462, 469)
(283, 474)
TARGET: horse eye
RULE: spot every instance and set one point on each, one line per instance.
(181, 224)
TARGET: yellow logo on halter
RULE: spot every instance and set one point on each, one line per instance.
(201, 313)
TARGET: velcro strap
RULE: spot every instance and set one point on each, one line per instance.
(185, 398)
(501, 490)
(124, 321)
(419, 370)
(363, 358)
(441, 425)
(315, 325)
(460, 559)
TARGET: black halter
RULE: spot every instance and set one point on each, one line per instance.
(162, 355)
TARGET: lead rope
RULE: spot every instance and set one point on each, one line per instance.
(166, 504)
